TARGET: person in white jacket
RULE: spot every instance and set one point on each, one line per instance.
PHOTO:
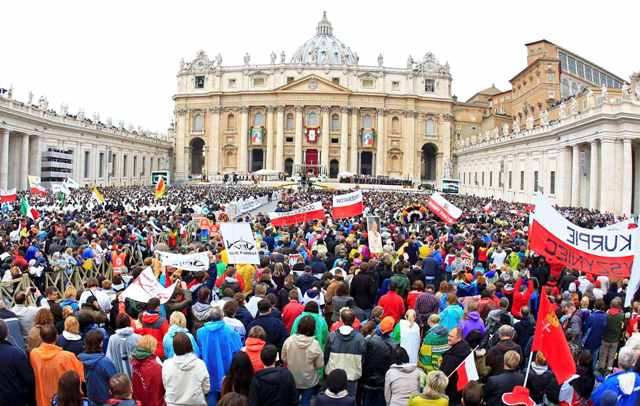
(185, 376)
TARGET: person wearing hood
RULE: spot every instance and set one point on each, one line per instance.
(49, 363)
(178, 324)
(98, 369)
(402, 380)
(154, 324)
(254, 345)
(303, 356)
(272, 385)
(146, 373)
(322, 330)
(218, 343)
(625, 383)
(451, 316)
(122, 344)
(70, 339)
(540, 378)
(434, 345)
(185, 376)
(378, 357)
(471, 320)
(200, 309)
(344, 350)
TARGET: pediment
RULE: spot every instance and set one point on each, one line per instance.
(312, 84)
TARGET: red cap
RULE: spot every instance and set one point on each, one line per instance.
(519, 396)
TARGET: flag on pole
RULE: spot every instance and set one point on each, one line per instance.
(8, 195)
(97, 195)
(488, 208)
(160, 188)
(467, 371)
(35, 186)
(347, 205)
(444, 209)
(27, 210)
(550, 340)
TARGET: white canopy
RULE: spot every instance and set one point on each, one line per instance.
(266, 172)
(345, 175)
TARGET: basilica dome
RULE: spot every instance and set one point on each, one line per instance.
(324, 48)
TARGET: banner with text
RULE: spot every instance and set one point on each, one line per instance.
(146, 286)
(313, 211)
(444, 209)
(189, 262)
(239, 243)
(347, 205)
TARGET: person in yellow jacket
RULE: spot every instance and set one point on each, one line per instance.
(247, 272)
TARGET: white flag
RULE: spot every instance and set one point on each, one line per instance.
(146, 286)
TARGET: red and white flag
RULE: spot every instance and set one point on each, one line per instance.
(488, 208)
(467, 371)
(35, 187)
(8, 195)
(444, 209)
(313, 211)
(348, 205)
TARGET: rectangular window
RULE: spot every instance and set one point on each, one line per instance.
(258, 82)
(87, 158)
(535, 181)
(521, 180)
(124, 166)
(290, 79)
(289, 139)
(572, 65)
(552, 180)
(588, 73)
(101, 165)
(581, 69)
(367, 83)
(395, 85)
(550, 76)
(335, 140)
(199, 82)
(510, 179)
(232, 83)
(563, 61)
(490, 179)
(429, 85)
(336, 80)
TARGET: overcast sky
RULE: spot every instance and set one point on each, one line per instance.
(120, 58)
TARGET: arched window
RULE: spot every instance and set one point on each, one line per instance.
(395, 125)
(335, 122)
(289, 121)
(231, 122)
(258, 120)
(312, 119)
(367, 122)
(429, 127)
(198, 122)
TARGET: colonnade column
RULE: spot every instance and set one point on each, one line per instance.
(354, 141)
(594, 174)
(180, 147)
(344, 140)
(324, 158)
(297, 155)
(244, 130)
(4, 159)
(24, 162)
(213, 132)
(627, 176)
(35, 162)
(270, 135)
(381, 147)
(607, 185)
(279, 139)
(575, 176)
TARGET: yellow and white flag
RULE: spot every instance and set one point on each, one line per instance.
(97, 195)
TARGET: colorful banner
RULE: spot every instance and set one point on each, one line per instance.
(312, 134)
(35, 187)
(146, 286)
(256, 135)
(444, 209)
(600, 252)
(368, 137)
(240, 244)
(348, 205)
(373, 234)
(190, 262)
(313, 211)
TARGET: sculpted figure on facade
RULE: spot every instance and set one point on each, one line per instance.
(43, 103)
(530, 122)
(589, 95)
(247, 58)
(604, 92)
(573, 106)
(380, 60)
(283, 57)
(516, 127)
(96, 117)
(563, 111)
(410, 62)
(219, 60)
(273, 58)
(182, 63)
(505, 129)
(544, 118)
(81, 114)
(30, 99)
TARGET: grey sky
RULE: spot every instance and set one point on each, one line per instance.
(120, 57)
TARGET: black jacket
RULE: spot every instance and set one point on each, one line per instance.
(499, 384)
(273, 326)
(451, 359)
(273, 386)
(16, 376)
(539, 382)
(363, 290)
(378, 357)
(524, 330)
(495, 355)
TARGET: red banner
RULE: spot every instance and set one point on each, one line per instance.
(442, 208)
(8, 196)
(313, 211)
(347, 205)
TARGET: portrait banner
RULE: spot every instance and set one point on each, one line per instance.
(240, 244)
(373, 234)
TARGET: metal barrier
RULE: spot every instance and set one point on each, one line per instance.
(8, 290)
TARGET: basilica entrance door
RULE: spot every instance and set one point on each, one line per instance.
(257, 159)
(311, 159)
(366, 163)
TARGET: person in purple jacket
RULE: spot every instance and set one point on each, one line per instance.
(472, 320)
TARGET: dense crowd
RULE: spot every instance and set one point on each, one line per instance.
(321, 320)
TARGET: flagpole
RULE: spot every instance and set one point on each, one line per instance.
(526, 376)
(465, 358)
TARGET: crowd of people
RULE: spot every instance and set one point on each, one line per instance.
(320, 320)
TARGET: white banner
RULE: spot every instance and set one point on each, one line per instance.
(190, 262)
(239, 242)
(146, 286)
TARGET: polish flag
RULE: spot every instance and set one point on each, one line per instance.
(313, 211)
(488, 208)
(35, 187)
(349, 205)
(442, 208)
(8, 195)
(467, 371)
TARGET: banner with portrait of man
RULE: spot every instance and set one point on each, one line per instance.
(373, 232)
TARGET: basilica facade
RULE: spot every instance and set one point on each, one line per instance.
(317, 111)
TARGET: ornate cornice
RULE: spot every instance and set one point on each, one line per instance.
(215, 109)
(325, 109)
(244, 109)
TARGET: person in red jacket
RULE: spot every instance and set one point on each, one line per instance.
(521, 298)
(292, 310)
(146, 373)
(154, 324)
(392, 303)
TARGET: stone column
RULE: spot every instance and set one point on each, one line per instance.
(4, 160)
(627, 176)
(575, 176)
(213, 135)
(381, 148)
(409, 147)
(243, 157)
(279, 160)
(269, 133)
(344, 140)
(594, 174)
(35, 158)
(297, 156)
(24, 162)
(563, 179)
(324, 154)
(354, 141)
(180, 174)
(607, 184)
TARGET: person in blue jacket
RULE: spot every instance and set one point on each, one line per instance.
(98, 369)
(625, 383)
(596, 325)
(16, 375)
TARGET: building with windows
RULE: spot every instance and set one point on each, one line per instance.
(38, 141)
(319, 110)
